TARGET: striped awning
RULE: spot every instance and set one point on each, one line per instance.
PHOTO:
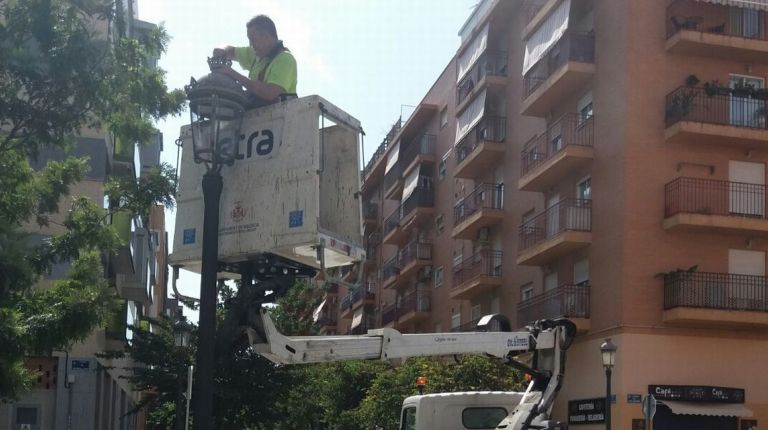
(749, 4)
(708, 409)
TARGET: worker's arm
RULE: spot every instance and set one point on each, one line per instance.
(263, 90)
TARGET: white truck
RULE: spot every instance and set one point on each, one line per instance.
(546, 342)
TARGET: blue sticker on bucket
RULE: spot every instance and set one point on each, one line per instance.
(189, 236)
(295, 219)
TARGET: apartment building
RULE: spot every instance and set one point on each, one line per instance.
(77, 389)
(601, 160)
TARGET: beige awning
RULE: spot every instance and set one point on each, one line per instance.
(469, 57)
(470, 117)
(548, 33)
(749, 4)
(319, 311)
(357, 319)
(392, 157)
(411, 182)
(708, 409)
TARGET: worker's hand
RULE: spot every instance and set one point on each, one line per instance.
(219, 52)
(227, 70)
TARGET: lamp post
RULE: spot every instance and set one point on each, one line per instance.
(216, 107)
(608, 351)
(181, 342)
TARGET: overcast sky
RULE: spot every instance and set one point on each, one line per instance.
(375, 59)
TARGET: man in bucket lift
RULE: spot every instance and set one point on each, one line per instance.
(271, 67)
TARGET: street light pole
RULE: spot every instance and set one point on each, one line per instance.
(608, 351)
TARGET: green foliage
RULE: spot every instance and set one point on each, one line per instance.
(293, 314)
(63, 70)
(156, 185)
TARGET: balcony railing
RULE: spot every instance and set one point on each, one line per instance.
(394, 174)
(415, 250)
(722, 106)
(414, 302)
(422, 197)
(382, 149)
(716, 291)
(489, 129)
(493, 63)
(716, 19)
(366, 324)
(327, 320)
(483, 263)
(373, 239)
(363, 293)
(470, 326)
(569, 301)
(390, 269)
(392, 222)
(566, 215)
(346, 302)
(571, 129)
(422, 145)
(370, 211)
(388, 314)
(571, 47)
(486, 196)
(712, 197)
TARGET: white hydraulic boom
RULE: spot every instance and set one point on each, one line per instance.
(548, 340)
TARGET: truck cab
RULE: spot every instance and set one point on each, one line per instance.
(457, 411)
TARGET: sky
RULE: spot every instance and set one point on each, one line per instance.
(375, 59)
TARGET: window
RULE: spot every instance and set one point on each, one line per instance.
(550, 281)
(526, 292)
(408, 421)
(475, 313)
(439, 277)
(26, 417)
(444, 117)
(439, 223)
(584, 189)
(584, 106)
(456, 320)
(482, 418)
(441, 170)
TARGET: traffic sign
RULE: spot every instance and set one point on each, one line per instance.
(649, 407)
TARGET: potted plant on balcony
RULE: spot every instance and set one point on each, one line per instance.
(743, 90)
(760, 115)
(713, 88)
(680, 103)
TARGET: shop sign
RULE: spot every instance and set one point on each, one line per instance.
(587, 411)
(696, 393)
(634, 398)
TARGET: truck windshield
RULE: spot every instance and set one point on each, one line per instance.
(408, 420)
(482, 418)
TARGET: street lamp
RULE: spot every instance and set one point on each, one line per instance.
(181, 342)
(216, 107)
(608, 350)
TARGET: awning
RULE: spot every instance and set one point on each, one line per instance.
(749, 4)
(357, 319)
(411, 182)
(319, 311)
(470, 117)
(548, 33)
(392, 157)
(708, 409)
(469, 57)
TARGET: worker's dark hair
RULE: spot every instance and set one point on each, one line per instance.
(264, 24)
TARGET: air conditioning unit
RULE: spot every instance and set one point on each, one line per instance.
(425, 273)
(483, 233)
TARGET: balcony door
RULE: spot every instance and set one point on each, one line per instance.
(744, 109)
(746, 189)
(746, 292)
(553, 215)
(746, 22)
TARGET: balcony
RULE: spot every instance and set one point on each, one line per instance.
(563, 228)
(367, 322)
(345, 307)
(567, 66)
(370, 215)
(565, 301)
(414, 256)
(419, 150)
(483, 207)
(393, 181)
(716, 299)
(389, 316)
(489, 72)
(327, 321)
(390, 272)
(413, 308)
(363, 295)
(393, 234)
(417, 209)
(481, 148)
(717, 31)
(375, 167)
(719, 116)
(564, 148)
(692, 204)
(467, 327)
(477, 274)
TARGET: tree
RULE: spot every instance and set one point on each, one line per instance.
(67, 65)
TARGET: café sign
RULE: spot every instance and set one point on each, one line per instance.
(697, 393)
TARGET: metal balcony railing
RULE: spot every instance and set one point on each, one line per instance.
(414, 302)
(363, 293)
(394, 174)
(489, 129)
(483, 263)
(485, 196)
(368, 323)
(490, 63)
(571, 129)
(712, 197)
(422, 145)
(741, 107)
(566, 215)
(415, 250)
(572, 46)
(569, 301)
(346, 302)
(392, 222)
(373, 239)
(390, 269)
(382, 149)
(724, 291)
(422, 197)
(716, 19)
(370, 211)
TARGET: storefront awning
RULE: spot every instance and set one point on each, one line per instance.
(708, 409)
(749, 4)
(319, 311)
